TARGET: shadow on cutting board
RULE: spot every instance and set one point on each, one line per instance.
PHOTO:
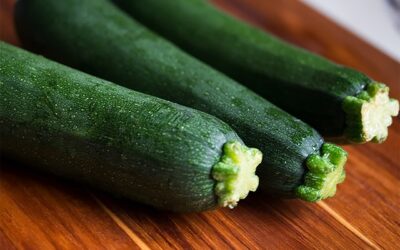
(16, 175)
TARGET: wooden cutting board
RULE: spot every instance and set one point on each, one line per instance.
(41, 212)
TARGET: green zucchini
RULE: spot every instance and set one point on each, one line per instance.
(133, 145)
(95, 36)
(339, 102)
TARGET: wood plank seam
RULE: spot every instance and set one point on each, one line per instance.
(120, 223)
(347, 224)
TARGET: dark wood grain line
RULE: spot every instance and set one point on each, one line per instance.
(121, 224)
(370, 201)
(5, 242)
(254, 228)
(187, 231)
(197, 227)
(347, 224)
(301, 224)
(16, 223)
(229, 229)
(191, 228)
(42, 211)
(151, 234)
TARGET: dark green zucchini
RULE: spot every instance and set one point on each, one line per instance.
(133, 145)
(96, 37)
(339, 102)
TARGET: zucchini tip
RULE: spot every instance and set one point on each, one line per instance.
(325, 172)
(369, 114)
(235, 173)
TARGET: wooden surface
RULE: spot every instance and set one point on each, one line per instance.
(41, 212)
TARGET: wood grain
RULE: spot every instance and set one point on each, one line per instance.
(39, 211)
(259, 222)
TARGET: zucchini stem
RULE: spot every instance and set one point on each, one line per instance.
(235, 173)
(369, 114)
(325, 171)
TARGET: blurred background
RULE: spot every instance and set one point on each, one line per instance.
(376, 21)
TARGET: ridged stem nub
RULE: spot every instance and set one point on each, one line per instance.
(369, 114)
(235, 173)
(325, 171)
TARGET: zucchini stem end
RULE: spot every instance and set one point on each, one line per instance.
(369, 114)
(325, 171)
(235, 173)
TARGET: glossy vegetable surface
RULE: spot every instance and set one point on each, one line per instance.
(340, 102)
(97, 37)
(133, 145)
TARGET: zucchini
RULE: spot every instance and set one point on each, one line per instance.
(341, 103)
(95, 36)
(133, 145)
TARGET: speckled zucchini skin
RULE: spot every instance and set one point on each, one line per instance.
(83, 128)
(304, 84)
(96, 37)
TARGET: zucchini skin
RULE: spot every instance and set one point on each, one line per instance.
(96, 37)
(86, 129)
(302, 83)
